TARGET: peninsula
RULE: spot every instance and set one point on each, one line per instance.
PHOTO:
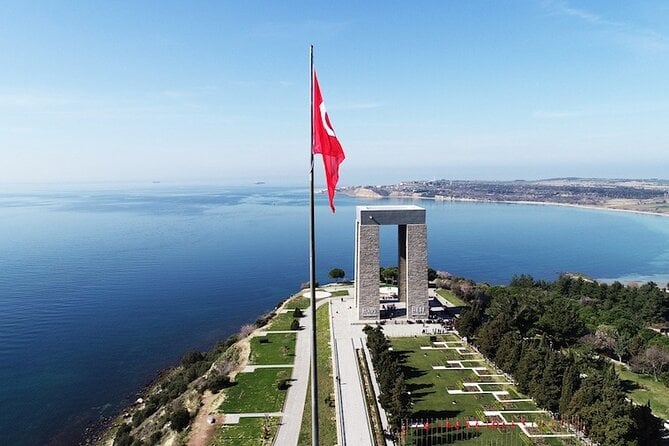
(638, 195)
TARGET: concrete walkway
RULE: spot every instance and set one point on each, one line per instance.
(253, 367)
(233, 418)
(293, 408)
(356, 429)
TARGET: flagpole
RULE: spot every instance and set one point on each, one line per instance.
(312, 266)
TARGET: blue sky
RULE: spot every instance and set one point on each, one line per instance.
(218, 91)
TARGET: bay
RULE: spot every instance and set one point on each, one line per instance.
(101, 287)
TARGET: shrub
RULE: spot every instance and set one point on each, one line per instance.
(191, 358)
(264, 319)
(217, 382)
(297, 313)
(179, 419)
(295, 325)
(155, 438)
(246, 330)
(307, 285)
(123, 437)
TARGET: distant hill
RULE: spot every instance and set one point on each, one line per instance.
(639, 195)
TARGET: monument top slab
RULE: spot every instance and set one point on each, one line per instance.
(390, 215)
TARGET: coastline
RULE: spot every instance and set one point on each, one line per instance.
(103, 432)
(538, 203)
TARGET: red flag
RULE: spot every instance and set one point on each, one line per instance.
(325, 142)
(457, 424)
(448, 424)
(426, 425)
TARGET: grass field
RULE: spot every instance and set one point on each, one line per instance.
(299, 302)
(281, 322)
(249, 432)
(647, 389)
(452, 298)
(256, 392)
(326, 412)
(275, 348)
(431, 401)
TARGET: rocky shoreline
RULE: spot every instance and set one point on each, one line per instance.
(641, 196)
(103, 431)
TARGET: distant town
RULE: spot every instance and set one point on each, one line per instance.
(642, 195)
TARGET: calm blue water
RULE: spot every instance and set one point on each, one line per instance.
(100, 289)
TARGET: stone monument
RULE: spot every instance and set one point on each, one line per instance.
(412, 259)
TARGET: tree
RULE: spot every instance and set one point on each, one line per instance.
(337, 274)
(179, 419)
(561, 323)
(470, 319)
(217, 382)
(399, 402)
(530, 367)
(654, 359)
(295, 325)
(508, 352)
(191, 358)
(123, 437)
(646, 425)
(547, 391)
(389, 274)
(487, 338)
(570, 384)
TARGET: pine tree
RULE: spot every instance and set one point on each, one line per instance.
(547, 392)
(570, 384)
(399, 402)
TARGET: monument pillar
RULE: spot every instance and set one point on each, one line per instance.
(411, 255)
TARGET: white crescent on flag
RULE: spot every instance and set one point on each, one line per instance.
(324, 119)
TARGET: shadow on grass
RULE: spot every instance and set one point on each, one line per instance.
(629, 385)
(285, 384)
(439, 435)
(436, 414)
(413, 388)
(412, 372)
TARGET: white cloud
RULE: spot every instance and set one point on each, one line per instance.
(625, 34)
(33, 100)
(602, 110)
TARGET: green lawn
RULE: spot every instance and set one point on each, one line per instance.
(452, 298)
(256, 392)
(299, 302)
(647, 389)
(326, 412)
(432, 401)
(281, 322)
(249, 432)
(340, 293)
(275, 348)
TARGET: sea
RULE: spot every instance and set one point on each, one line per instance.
(103, 286)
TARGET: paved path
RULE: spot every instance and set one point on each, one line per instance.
(347, 337)
(233, 418)
(253, 367)
(293, 408)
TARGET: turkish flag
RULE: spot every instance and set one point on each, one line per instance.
(325, 142)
